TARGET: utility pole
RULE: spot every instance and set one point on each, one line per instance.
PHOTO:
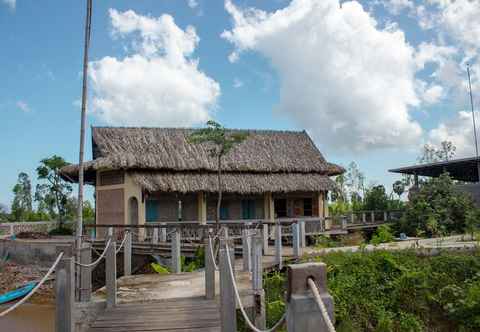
(83, 120)
(474, 125)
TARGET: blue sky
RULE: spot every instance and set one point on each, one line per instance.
(371, 81)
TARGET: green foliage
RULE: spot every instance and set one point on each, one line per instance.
(472, 221)
(398, 188)
(196, 263)
(22, 200)
(61, 230)
(376, 199)
(383, 234)
(322, 241)
(52, 194)
(160, 269)
(436, 208)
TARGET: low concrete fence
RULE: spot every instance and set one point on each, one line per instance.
(12, 228)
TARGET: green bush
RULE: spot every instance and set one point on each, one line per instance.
(383, 234)
(61, 231)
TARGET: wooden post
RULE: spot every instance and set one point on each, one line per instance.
(364, 218)
(372, 216)
(228, 310)
(163, 234)
(111, 274)
(344, 222)
(385, 216)
(246, 245)
(202, 208)
(176, 252)
(155, 236)
(303, 314)
(257, 283)
(209, 268)
(352, 218)
(297, 248)
(127, 255)
(64, 295)
(278, 245)
(265, 238)
(85, 272)
(303, 235)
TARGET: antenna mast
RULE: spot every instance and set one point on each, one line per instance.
(473, 119)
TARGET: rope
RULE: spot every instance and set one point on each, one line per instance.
(99, 258)
(121, 244)
(19, 303)
(321, 305)
(211, 253)
(242, 309)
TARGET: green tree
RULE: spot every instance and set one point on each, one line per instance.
(446, 151)
(221, 141)
(339, 193)
(398, 188)
(3, 213)
(53, 192)
(376, 198)
(22, 200)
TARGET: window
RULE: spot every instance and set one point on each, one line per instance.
(224, 215)
(280, 208)
(152, 207)
(248, 209)
(307, 207)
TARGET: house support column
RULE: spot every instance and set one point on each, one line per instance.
(202, 208)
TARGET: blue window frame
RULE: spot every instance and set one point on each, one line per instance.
(248, 209)
(152, 207)
(224, 213)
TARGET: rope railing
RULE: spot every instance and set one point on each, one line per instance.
(212, 255)
(239, 300)
(122, 243)
(99, 258)
(321, 305)
(45, 278)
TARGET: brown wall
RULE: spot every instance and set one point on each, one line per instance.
(110, 206)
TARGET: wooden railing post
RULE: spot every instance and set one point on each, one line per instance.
(303, 235)
(257, 283)
(344, 222)
(246, 245)
(64, 293)
(155, 236)
(163, 233)
(364, 217)
(111, 274)
(385, 216)
(228, 310)
(176, 251)
(209, 268)
(12, 229)
(266, 235)
(372, 216)
(352, 218)
(85, 273)
(127, 254)
(297, 249)
(303, 314)
(278, 245)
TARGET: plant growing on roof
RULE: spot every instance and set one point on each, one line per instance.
(221, 141)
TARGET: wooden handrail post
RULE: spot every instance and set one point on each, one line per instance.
(278, 245)
(209, 268)
(303, 314)
(64, 292)
(111, 274)
(372, 216)
(228, 310)
(246, 246)
(85, 272)
(344, 222)
(352, 218)
(257, 282)
(176, 251)
(303, 235)
(155, 236)
(364, 217)
(265, 238)
(127, 254)
(297, 249)
(163, 233)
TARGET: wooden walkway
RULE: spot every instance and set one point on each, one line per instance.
(180, 315)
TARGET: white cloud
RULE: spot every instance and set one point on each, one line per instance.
(347, 81)
(397, 6)
(23, 106)
(10, 3)
(237, 83)
(458, 130)
(433, 94)
(159, 82)
(192, 3)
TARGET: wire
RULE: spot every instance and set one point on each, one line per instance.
(19, 303)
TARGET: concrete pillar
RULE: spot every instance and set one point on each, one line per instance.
(265, 234)
(303, 314)
(127, 254)
(65, 295)
(246, 245)
(176, 252)
(259, 315)
(163, 234)
(155, 236)
(228, 310)
(202, 208)
(278, 245)
(209, 268)
(111, 274)
(372, 216)
(297, 249)
(85, 273)
(303, 234)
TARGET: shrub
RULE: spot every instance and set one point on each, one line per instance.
(61, 231)
(383, 234)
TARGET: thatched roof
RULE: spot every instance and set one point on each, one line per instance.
(163, 158)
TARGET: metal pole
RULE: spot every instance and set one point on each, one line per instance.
(473, 120)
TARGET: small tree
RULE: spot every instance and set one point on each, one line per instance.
(398, 188)
(22, 200)
(3, 213)
(376, 198)
(54, 192)
(222, 141)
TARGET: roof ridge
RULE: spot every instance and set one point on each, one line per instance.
(196, 128)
